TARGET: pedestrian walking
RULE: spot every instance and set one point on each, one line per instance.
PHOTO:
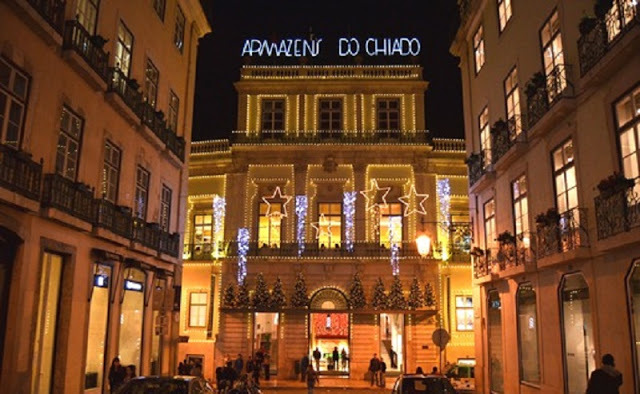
(229, 376)
(374, 367)
(394, 358)
(383, 370)
(238, 364)
(304, 364)
(312, 379)
(267, 367)
(316, 357)
(116, 375)
(606, 379)
(336, 358)
(343, 356)
(130, 373)
(219, 382)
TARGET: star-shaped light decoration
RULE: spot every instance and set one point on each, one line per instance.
(277, 195)
(321, 221)
(418, 206)
(371, 201)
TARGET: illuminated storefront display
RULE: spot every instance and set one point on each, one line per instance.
(391, 340)
(97, 331)
(132, 317)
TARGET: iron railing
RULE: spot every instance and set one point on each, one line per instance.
(77, 38)
(123, 87)
(147, 234)
(568, 233)
(74, 198)
(604, 35)
(617, 212)
(169, 243)
(505, 136)
(175, 144)
(19, 173)
(114, 218)
(52, 11)
(521, 251)
(205, 147)
(369, 137)
(557, 86)
(477, 167)
(151, 119)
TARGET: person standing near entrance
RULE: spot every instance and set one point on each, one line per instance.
(238, 364)
(336, 358)
(383, 370)
(312, 379)
(316, 356)
(606, 379)
(374, 367)
(344, 358)
(394, 358)
(304, 364)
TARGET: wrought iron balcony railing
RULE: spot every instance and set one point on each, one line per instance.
(477, 166)
(78, 39)
(147, 234)
(114, 218)
(312, 249)
(74, 198)
(356, 137)
(505, 135)
(464, 8)
(169, 243)
(594, 44)
(153, 121)
(617, 212)
(19, 173)
(568, 232)
(555, 87)
(175, 144)
(126, 89)
(51, 10)
(204, 250)
(521, 251)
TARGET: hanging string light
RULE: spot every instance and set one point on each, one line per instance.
(301, 215)
(349, 203)
(243, 249)
(395, 249)
(219, 210)
(443, 188)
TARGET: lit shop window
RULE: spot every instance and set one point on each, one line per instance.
(14, 86)
(478, 49)
(97, 330)
(132, 317)
(633, 288)
(494, 334)
(265, 336)
(391, 340)
(504, 13)
(198, 309)
(270, 225)
(329, 225)
(464, 313)
(391, 225)
(528, 333)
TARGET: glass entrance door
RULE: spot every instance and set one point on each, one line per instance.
(265, 340)
(329, 342)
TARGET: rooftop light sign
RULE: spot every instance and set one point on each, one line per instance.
(299, 47)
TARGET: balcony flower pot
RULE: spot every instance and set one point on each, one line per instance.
(499, 126)
(160, 114)
(506, 238)
(614, 184)
(477, 252)
(133, 84)
(537, 82)
(551, 217)
(98, 41)
(587, 24)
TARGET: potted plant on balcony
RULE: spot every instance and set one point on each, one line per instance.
(160, 114)
(587, 23)
(602, 7)
(537, 82)
(614, 184)
(133, 84)
(477, 252)
(473, 158)
(98, 40)
(506, 238)
(549, 218)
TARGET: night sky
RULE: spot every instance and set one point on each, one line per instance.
(219, 55)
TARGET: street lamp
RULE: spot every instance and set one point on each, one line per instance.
(424, 245)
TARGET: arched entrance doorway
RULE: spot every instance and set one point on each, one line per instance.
(329, 328)
(8, 245)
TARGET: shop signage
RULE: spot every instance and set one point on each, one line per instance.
(132, 285)
(100, 280)
(299, 47)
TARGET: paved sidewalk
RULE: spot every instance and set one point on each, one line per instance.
(326, 384)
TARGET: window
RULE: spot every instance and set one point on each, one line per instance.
(202, 229)
(197, 309)
(504, 13)
(564, 175)
(512, 101)
(178, 34)
(330, 114)
(577, 333)
(68, 150)
(520, 207)
(151, 76)
(165, 208)
(464, 313)
(159, 6)
(87, 14)
(174, 111)
(391, 224)
(272, 115)
(132, 316)
(111, 172)
(619, 16)
(97, 326)
(494, 334)
(329, 225)
(553, 56)
(633, 288)
(124, 49)
(528, 333)
(388, 114)
(485, 136)
(490, 224)
(269, 225)
(14, 85)
(142, 193)
(628, 126)
(478, 49)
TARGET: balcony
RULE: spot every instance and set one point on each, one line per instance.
(169, 243)
(73, 198)
(153, 120)
(506, 135)
(88, 47)
(175, 144)
(561, 233)
(204, 251)
(544, 92)
(146, 234)
(511, 257)
(329, 137)
(127, 90)
(601, 35)
(479, 165)
(617, 212)
(19, 173)
(114, 218)
(51, 11)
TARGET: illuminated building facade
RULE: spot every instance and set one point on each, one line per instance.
(95, 118)
(552, 122)
(331, 174)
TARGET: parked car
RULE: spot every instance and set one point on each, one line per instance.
(462, 377)
(166, 385)
(422, 384)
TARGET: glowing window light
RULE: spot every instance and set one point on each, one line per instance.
(243, 249)
(349, 203)
(301, 215)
